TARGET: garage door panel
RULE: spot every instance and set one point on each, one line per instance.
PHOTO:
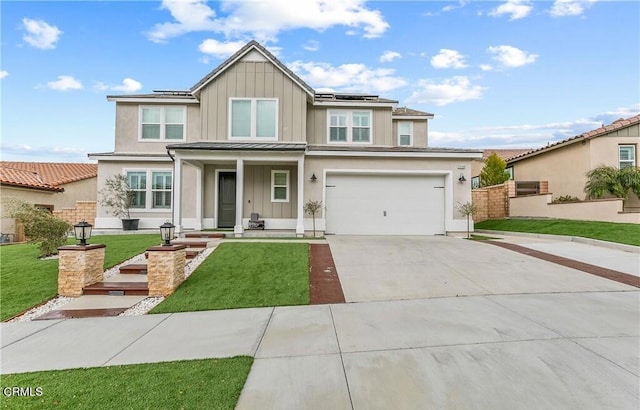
(385, 204)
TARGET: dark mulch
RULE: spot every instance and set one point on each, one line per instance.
(324, 284)
(570, 263)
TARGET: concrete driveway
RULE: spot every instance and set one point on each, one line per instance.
(376, 268)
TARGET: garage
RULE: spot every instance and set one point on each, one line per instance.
(385, 204)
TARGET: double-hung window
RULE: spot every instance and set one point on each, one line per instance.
(279, 186)
(405, 133)
(626, 156)
(156, 195)
(254, 118)
(162, 123)
(349, 126)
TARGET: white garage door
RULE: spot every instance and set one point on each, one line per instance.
(385, 204)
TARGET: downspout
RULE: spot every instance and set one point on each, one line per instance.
(173, 191)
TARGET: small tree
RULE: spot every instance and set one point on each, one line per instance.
(467, 209)
(42, 227)
(493, 172)
(312, 208)
(606, 180)
(117, 196)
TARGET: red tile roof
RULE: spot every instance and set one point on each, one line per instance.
(598, 132)
(504, 153)
(48, 176)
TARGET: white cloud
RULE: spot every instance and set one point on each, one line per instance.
(451, 90)
(40, 34)
(247, 18)
(516, 9)
(347, 77)
(448, 59)
(511, 57)
(129, 85)
(486, 67)
(24, 152)
(389, 56)
(220, 49)
(311, 45)
(65, 83)
(563, 8)
(3, 74)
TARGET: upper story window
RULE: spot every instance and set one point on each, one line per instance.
(162, 123)
(253, 118)
(626, 156)
(405, 133)
(349, 126)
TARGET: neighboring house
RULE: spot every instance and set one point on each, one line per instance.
(504, 153)
(47, 185)
(252, 137)
(565, 164)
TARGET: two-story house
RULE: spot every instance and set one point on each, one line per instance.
(252, 137)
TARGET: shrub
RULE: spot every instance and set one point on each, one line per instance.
(493, 172)
(42, 228)
(565, 198)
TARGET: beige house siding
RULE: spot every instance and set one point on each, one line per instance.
(128, 128)
(419, 133)
(257, 192)
(381, 124)
(253, 79)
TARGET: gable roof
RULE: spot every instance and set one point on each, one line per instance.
(47, 176)
(250, 46)
(504, 153)
(408, 112)
(598, 132)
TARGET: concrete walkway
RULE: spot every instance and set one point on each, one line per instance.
(571, 348)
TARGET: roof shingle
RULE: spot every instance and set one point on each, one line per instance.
(44, 175)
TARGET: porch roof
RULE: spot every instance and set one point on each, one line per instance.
(239, 146)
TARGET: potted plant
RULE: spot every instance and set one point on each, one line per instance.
(118, 198)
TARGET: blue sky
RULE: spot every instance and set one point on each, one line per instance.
(495, 74)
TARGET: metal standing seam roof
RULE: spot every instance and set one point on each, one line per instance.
(48, 176)
(351, 148)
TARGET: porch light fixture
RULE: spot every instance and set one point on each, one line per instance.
(313, 178)
(82, 232)
(462, 178)
(167, 231)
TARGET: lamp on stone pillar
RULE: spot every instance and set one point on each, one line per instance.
(82, 232)
(167, 230)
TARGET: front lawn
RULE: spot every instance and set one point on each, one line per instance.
(26, 281)
(241, 275)
(189, 384)
(606, 231)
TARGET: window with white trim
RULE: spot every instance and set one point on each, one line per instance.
(162, 123)
(279, 186)
(253, 118)
(405, 133)
(156, 195)
(626, 156)
(349, 126)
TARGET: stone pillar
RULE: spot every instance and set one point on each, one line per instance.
(79, 266)
(165, 269)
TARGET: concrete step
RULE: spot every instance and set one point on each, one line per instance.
(134, 269)
(117, 289)
(211, 235)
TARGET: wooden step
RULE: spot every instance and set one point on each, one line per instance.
(211, 235)
(190, 243)
(117, 289)
(134, 269)
(192, 253)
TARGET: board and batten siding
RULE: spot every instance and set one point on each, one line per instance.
(381, 122)
(257, 192)
(253, 79)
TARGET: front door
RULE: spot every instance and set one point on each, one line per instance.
(226, 199)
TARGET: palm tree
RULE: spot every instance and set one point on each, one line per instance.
(606, 180)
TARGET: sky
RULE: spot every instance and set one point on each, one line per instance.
(495, 74)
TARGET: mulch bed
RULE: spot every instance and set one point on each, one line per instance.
(324, 284)
(570, 263)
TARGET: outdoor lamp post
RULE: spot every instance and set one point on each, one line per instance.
(82, 232)
(167, 230)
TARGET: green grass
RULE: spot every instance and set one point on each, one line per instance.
(240, 275)
(190, 384)
(606, 231)
(26, 281)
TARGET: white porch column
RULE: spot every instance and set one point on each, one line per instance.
(300, 222)
(237, 229)
(177, 194)
(199, 189)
